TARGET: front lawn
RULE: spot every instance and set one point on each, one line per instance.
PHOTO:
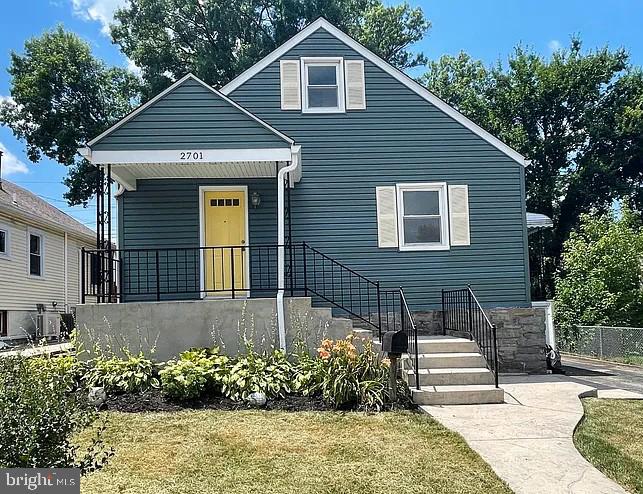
(278, 452)
(611, 438)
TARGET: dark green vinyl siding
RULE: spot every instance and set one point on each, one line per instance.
(190, 117)
(399, 138)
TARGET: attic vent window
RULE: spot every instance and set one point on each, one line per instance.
(323, 85)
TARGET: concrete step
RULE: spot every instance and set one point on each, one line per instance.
(474, 394)
(447, 360)
(446, 377)
(443, 344)
(363, 333)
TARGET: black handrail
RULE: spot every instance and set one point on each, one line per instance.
(155, 274)
(461, 312)
(410, 328)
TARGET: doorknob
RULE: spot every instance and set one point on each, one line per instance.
(243, 242)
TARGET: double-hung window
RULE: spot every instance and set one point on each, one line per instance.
(422, 216)
(35, 254)
(4, 241)
(323, 85)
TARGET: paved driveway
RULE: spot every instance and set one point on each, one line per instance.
(603, 375)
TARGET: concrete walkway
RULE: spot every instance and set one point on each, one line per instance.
(528, 440)
(39, 350)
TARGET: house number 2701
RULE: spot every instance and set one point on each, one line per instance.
(191, 155)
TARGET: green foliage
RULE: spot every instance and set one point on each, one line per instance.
(195, 372)
(39, 417)
(577, 116)
(270, 373)
(600, 282)
(132, 374)
(61, 97)
(218, 40)
(67, 368)
(351, 378)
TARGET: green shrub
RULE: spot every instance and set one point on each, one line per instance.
(350, 378)
(132, 374)
(271, 374)
(308, 375)
(66, 367)
(193, 374)
(39, 416)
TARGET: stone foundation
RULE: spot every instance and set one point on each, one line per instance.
(521, 336)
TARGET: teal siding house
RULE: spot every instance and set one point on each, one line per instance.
(324, 172)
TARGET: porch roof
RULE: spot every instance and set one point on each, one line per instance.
(190, 130)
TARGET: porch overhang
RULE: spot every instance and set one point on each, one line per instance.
(127, 167)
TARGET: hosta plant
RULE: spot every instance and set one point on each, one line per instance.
(132, 374)
(195, 373)
(268, 373)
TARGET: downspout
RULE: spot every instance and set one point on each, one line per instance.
(281, 240)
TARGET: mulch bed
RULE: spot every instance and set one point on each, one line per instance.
(154, 401)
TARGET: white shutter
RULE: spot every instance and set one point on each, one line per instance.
(459, 215)
(386, 216)
(290, 85)
(355, 86)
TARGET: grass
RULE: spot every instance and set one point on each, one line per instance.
(611, 438)
(276, 452)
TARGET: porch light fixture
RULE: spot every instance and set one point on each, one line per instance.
(255, 200)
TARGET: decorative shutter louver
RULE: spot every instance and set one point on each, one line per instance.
(386, 216)
(290, 85)
(355, 86)
(459, 215)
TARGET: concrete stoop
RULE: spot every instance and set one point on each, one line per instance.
(452, 371)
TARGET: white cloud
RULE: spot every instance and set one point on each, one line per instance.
(133, 68)
(101, 11)
(554, 45)
(6, 99)
(10, 163)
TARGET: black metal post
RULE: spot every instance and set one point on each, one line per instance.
(82, 275)
(495, 352)
(303, 250)
(158, 278)
(379, 310)
(401, 310)
(444, 316)
(469, 313)
(231, 269)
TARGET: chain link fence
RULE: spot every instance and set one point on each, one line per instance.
(612, 343)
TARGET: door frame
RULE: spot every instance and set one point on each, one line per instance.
(246, 275)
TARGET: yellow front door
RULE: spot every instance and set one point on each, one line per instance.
(225, 238)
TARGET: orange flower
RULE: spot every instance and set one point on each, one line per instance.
(324, 354)
(386, 362)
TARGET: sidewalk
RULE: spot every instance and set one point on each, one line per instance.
(528, 439)
(39, 350)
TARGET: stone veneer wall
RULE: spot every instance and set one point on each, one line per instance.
(521, 336)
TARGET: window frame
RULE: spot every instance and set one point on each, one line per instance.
(441, 188)
(41, 235)
(338, 63)
(4, 227)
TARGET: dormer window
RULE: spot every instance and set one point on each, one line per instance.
(323, 84)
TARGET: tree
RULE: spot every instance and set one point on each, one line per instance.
(61, 96)
(576, 116)
(218, 39)
(600, 281)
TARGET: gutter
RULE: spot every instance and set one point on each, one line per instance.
(281, 239)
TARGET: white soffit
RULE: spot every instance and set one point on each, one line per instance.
(386, 67)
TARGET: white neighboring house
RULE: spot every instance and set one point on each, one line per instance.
(39, 262)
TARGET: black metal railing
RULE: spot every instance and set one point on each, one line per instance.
(410, 328)
(132, 275)
(461, 312)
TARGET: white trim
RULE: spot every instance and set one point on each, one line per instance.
(386, 67)
(215, 188)
(338, 63)
(144, 106)
(181, 156)
(41, 234)
(441, 188)
(6, 228)
(65, 275)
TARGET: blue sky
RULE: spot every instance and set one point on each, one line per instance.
(487, 30)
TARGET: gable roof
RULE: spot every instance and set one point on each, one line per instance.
(413, 85)
(178, 83)
(14, 200)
